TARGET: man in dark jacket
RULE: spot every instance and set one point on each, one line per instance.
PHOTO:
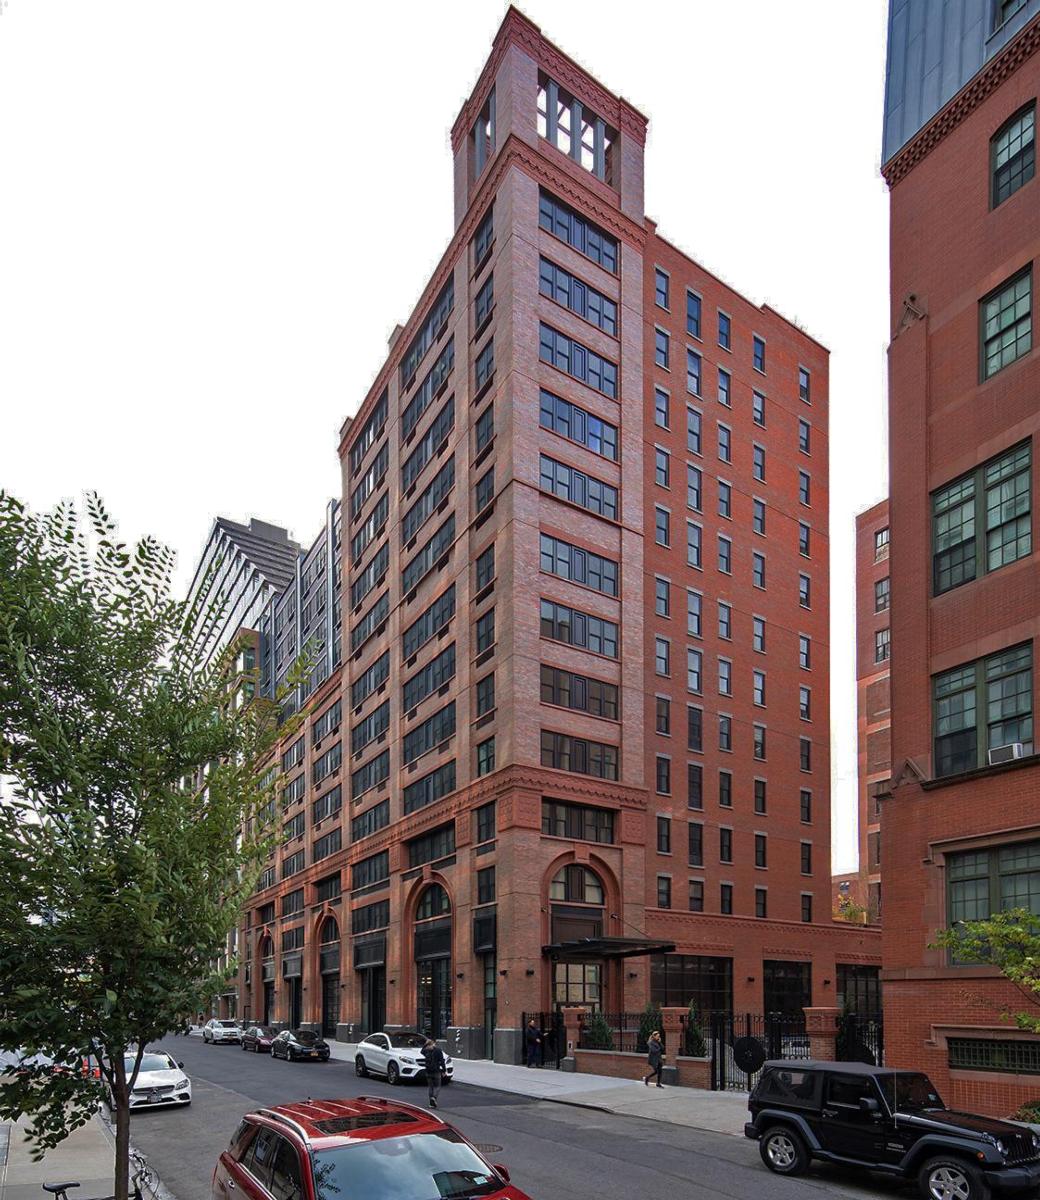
(433, 1057)
(534, 1044)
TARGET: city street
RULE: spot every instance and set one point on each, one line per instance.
(554, 1152)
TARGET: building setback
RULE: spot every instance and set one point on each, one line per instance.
(583, 704)
(873, 705)
(961, 829)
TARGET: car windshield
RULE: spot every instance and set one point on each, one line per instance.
(265, 1031)
(151, 1062)
(228, 1024)
(305, 1037)
(407, 1041)
(910, 1091)
(423, 1166)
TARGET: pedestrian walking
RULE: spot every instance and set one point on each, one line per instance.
(655, 1059)
(534, 1044)
(433, 1057)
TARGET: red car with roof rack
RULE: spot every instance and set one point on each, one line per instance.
(365, 1147)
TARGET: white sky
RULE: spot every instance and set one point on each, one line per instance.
(213, 212)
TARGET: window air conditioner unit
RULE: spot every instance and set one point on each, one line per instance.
(1003, 754)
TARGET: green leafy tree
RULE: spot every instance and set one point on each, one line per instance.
(138, 823)
(1011, 942)
(648, 1022)
(695, 1045)
(596, 1033)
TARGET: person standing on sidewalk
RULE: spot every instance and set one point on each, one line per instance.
(654, 1058)
(433, 1057)
(534, 1044)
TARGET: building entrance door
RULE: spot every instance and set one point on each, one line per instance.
(295, 1002)
(268, 1001)
(433, 1000)
(329, 1004)
(373, 999)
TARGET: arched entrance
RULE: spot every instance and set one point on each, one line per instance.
(328, 966)
(576, 901)
(433, 927)
(265, 953)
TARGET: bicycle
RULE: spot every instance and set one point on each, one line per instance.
(143, 1173)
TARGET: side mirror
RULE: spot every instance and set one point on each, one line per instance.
(181, 1065)
(868, 1105)
(503, 1171)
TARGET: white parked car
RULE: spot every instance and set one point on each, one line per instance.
(216, 1030)
(160, 1080)
(397, 1056)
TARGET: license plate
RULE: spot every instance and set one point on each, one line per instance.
(312, 1053)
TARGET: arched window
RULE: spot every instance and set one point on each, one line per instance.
(434, 902)
(329, 931)
(264, 947)
(576, 884)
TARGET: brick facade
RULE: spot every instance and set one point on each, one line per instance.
(565, 704)
(950, 247)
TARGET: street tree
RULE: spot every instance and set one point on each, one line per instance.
(1010, 941)
(138, 820)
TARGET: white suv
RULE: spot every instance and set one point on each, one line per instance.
(398, 1056)
(216, 1030)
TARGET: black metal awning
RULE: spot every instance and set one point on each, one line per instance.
(582, 949)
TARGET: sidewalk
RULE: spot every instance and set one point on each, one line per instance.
(721, 1112)
(86, 1155)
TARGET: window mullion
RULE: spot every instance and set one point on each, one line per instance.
(981, 713)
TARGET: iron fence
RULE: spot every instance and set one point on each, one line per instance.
(860, 1039)
(739, 1043)
(625, 1032)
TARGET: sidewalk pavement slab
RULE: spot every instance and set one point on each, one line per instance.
(86, 1155)
(720, 1112)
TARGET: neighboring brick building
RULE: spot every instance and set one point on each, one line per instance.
(961, 830)
(873, 706)
(584, 694)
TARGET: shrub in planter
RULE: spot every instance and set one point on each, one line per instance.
(695, 1045)
(596, 1033)
(648, 1022)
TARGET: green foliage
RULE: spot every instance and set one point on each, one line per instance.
(596, 1033)
(694, 1043)
(1011, 942)
(135, 832)
(1030, 1113)
(648, 1022)
(848, 910)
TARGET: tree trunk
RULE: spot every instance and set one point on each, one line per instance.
(122, 1115)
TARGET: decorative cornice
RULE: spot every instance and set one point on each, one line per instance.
(517, 29)
(967, 100)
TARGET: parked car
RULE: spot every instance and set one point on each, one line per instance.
(215, 1031)
(397, 1056)
(294, 1045)
(370, 1148)
(886, 1120)
(25, 1062)
(159, 1081)
(258, 1038)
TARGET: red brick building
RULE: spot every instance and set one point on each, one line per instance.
(961, 829)
(873, 706)
(584, 702)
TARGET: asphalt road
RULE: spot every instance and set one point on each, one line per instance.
(553, 1151)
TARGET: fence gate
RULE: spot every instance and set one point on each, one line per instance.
(860, 1039)
(739, 1043)
(553, 1034)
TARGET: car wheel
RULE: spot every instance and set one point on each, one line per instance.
(289, 1056)
(783, 1151)
(952, 1179)
(393, 1074)
(360, 1070)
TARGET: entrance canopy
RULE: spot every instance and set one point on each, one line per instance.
(584, 949)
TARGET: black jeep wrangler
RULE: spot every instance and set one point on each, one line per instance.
(889, 1121)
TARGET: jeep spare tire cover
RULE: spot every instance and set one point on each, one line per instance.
(749, 1054)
